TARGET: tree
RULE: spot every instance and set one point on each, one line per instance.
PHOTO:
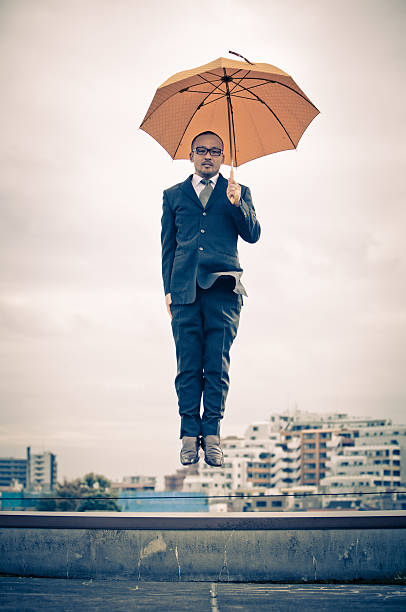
(87, 494)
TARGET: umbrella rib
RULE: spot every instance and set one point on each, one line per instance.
(259, 84)
(213, 74)
(241, 79)
(274, 114)
(224, 70)
(207, 80)
(243, 98)
(282, 85)
(187, 125)
(211, 93)
(212, 82)
(236, 72)
(147, 118)
(181, 91)
(211, 101)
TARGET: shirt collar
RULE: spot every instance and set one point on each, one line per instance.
(196, 179)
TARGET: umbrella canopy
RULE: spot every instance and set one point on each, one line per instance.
(256, 109)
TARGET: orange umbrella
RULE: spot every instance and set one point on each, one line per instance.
(256, 109)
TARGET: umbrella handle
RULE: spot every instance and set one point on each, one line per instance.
(232, 199)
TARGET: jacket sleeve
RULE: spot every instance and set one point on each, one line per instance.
(245, 218)
(168, 242)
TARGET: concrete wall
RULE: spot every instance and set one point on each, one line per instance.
(303, 555)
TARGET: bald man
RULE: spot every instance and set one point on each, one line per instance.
(201, 222)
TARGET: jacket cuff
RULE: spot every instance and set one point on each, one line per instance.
(242, 209)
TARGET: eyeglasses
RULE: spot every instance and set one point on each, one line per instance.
(214, 151)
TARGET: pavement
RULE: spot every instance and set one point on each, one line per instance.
(57, 595)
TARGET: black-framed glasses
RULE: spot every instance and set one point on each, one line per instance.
(214, 151)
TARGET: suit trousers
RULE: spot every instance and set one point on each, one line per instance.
(204, 332)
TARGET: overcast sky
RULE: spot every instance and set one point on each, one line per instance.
(87, 358)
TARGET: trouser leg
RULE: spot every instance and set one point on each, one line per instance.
(220, 313)
(188, 335)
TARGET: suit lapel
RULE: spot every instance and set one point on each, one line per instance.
(218, 191)
(188, 190)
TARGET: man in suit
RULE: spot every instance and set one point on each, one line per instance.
(201, 222)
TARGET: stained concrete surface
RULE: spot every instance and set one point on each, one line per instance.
(205, 555)
(62, 595)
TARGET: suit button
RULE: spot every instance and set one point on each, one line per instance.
(202, 230)
(204, 214)
(200, 248)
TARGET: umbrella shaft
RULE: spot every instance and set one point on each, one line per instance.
(231, 130)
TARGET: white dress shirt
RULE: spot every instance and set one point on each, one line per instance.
(198, 185)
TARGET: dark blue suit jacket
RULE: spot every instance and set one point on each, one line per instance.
(199, 244)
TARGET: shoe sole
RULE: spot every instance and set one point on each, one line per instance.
(214, 464)
(196, 460)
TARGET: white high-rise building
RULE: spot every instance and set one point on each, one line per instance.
(370, 459)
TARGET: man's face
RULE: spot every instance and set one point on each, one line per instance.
(207, 165)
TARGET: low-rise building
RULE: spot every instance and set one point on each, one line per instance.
(12, 470)
(135, 483)
(174, 482)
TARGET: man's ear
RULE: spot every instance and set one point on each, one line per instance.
(191, 156)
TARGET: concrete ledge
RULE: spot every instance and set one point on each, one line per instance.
(241, 548)
(241, 521)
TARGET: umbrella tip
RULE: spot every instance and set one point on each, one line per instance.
(244, 58)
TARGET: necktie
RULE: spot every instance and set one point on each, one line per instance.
(206, 191)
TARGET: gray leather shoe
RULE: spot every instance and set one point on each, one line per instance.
(190, 450)
(213, 455)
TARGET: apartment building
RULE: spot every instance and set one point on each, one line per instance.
(301, 453)
(363, 468)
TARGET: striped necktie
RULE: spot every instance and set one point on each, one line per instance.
(206, 191)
